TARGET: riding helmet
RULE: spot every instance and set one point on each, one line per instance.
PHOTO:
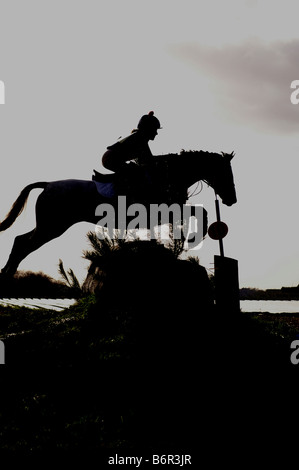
(149, 121)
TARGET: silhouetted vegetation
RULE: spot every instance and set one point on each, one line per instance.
(143, 362)
(27, 284)
(70, 279)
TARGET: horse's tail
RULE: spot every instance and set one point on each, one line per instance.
(19, 205)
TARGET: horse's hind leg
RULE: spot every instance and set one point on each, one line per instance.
(23, 246)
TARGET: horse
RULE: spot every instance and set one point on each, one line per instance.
(64, 203)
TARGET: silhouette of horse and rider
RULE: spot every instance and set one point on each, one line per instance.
(139, 175)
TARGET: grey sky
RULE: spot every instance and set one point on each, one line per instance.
(251, 80)
(217, 74)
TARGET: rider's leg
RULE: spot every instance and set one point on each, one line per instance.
(109, 161)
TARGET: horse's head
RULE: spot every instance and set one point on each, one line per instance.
(188, 167)
(221, 179)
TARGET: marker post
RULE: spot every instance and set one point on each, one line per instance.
(226, 271)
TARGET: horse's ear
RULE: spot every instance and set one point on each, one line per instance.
(228, 156)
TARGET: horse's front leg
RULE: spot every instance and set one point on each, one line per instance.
(195, 226)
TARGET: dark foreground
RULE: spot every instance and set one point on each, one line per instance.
(146, 366)
(77, 384)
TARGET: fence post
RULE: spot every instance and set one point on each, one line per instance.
(226, 273)
(226, 284)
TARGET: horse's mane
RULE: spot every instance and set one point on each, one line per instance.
(171, 167)
(183, 154)
(178, 167)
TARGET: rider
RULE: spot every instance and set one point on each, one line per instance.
(134, 147)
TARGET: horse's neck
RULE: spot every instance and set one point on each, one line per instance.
(189, 167)
(192, 167)
(201, 166)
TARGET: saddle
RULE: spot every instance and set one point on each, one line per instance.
(105, 184)
(102, 178)
(128, 182)
(128, 171)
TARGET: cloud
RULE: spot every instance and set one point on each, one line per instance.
(251, 81)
